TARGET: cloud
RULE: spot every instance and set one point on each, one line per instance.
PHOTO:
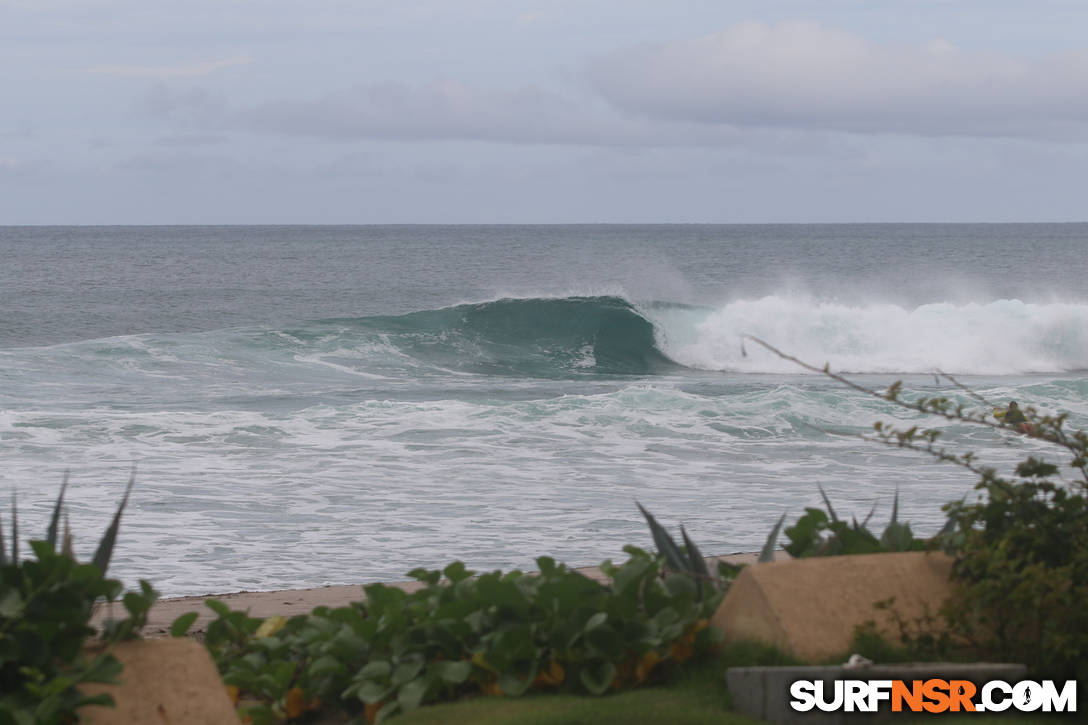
(751, 85)
(23, 131)
(176, 71)
(440, 111)
(190, 140)
(805, 75)
(452, 110)
(12, 167)
(189, 106)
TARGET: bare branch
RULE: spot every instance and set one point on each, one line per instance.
(1046, 428)
(974, 394)
(938, 406)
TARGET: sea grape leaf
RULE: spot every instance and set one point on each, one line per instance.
(181, 625)
(595, 621)
(407, 671)
(411, 693)
(370, 691)
(456, 571)
(514, 685)
(804, 536)
(631, 574)
(11, 604)
(452, 672)
(597, 675)
(605, 641)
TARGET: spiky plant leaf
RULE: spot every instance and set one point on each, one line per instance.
(51, 536)
(827, 502)
(66, 548)
(14, 532)
(769, 546)
(698, 563)
(897, 537)
(105, 547)
(666, 546)
(869, 515)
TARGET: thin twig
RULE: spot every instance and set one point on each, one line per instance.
(1045, 428)
(957, 415)
(965, 389)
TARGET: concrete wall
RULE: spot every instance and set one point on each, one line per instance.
(810, 607)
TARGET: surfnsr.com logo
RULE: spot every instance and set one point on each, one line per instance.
(933, 696)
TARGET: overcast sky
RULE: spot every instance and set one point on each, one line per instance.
(359, 111)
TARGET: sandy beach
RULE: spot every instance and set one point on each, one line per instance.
(291, 602)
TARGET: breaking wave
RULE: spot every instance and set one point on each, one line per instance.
(1002, 337)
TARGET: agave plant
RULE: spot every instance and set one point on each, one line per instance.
(767, 553)
(897, 536)
(45, 612)
(818, 533)
(687, 560)
(102, 554)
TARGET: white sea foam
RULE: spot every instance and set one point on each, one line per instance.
(365, 490)
(331, 455)
(1002, 337)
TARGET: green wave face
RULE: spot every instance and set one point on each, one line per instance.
(549, 338)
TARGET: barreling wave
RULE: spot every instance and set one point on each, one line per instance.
(577, 337)
(609, 335)
(535, 337)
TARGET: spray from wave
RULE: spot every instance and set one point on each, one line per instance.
(1003, 337)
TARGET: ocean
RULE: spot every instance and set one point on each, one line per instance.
(337, 405)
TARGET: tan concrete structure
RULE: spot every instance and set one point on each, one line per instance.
(164, 682)
(810, 607)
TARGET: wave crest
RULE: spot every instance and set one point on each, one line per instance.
(537, 337)
(1003, 337)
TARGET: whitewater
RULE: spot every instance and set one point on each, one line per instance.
(318, 405)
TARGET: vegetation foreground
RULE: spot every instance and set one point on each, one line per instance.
(541, 647)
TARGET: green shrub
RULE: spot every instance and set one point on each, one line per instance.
(921, 639)
(45, 608)
(1020, 549)
(1022, 572)
(820, 534)
(459, 633)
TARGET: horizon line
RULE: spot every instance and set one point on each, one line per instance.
(536, 224)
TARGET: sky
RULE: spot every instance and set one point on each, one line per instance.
(542, 111)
